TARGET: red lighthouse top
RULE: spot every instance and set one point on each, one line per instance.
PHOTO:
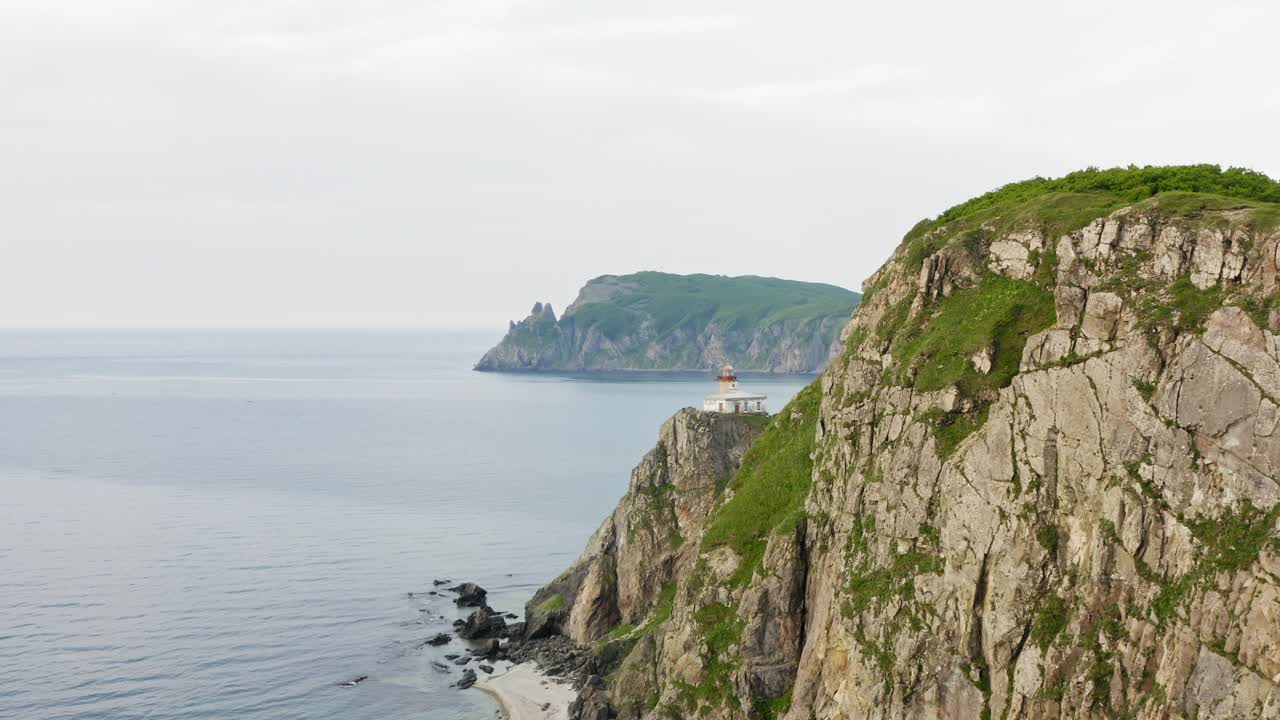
(727, 373)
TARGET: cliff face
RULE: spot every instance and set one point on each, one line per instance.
(655, 321)
(1092, 535)
(648, 599)
(1040, 482)
(652, 537)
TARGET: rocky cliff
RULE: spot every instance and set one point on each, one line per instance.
(657, 321)
(1040, 481)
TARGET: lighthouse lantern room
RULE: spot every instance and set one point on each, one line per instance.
(733, 400)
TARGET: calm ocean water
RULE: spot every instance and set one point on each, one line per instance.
(227, 525)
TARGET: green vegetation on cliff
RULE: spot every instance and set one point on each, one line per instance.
(995, 317)
(1081, 196)
(770, 486)
(1061, 205)
(911, 553)
(659, 321)
(672, 302)
(934, 346)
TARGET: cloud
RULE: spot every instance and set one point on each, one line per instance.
(408, 157)
(836, 86)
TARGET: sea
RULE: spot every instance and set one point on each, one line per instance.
(235, 525)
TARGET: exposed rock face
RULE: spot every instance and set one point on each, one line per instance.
(1104, 543)
(1062, 505)
(482, 623)
(648, 539)
(760, 324)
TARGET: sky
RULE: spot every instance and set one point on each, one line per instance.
(446, 163)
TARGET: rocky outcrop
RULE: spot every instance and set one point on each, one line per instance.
(655, 321)
(1041, 482)
(1099, 538)
(469, 595)
(482, 623)
(646, 542)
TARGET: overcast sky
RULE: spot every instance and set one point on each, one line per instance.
(425, 163)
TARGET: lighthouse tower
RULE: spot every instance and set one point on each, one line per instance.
(728, 379)
(733, 400)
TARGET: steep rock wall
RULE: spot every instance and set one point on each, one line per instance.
(1039, 482)
(1104, 542)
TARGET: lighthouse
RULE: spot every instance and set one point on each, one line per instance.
(733, 400)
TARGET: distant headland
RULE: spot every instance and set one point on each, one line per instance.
(660, 321)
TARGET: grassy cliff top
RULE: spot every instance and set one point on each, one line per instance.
(734, 302)
(1072, 201)
(933, 339)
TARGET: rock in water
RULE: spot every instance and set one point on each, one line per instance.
(468, 679)
(482, 623)
(469, 595)
(439, 639)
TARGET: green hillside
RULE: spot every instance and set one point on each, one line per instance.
(654, 320)
(675, 301)
(1072, 201)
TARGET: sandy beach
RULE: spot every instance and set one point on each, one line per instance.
(524, 693)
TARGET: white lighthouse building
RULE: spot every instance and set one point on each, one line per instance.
(733, 400)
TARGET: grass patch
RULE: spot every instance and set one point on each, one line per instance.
(1192, 204)
(721, 629)
(756, 421)
(1100, 670)
(1260, 309)
(621, 631)
(1170, 597)
(764, 709)
(1050, 621)
(662, 608)
(1192, 303)
(1126, 185)
(933, 350)
(1234, 541)
(618, 633)
(555, 603)
(999, 314)
(872, 587)
(1228, 543)
(770, 486)
(1181, 306)
(1047, 536)
(950, 429)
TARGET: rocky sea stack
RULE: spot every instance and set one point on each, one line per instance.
(1039, 480)
(658, 321)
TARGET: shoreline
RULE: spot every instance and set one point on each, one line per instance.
(595, 372)
(523, 692)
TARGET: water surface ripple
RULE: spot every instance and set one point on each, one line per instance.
(227, 525)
